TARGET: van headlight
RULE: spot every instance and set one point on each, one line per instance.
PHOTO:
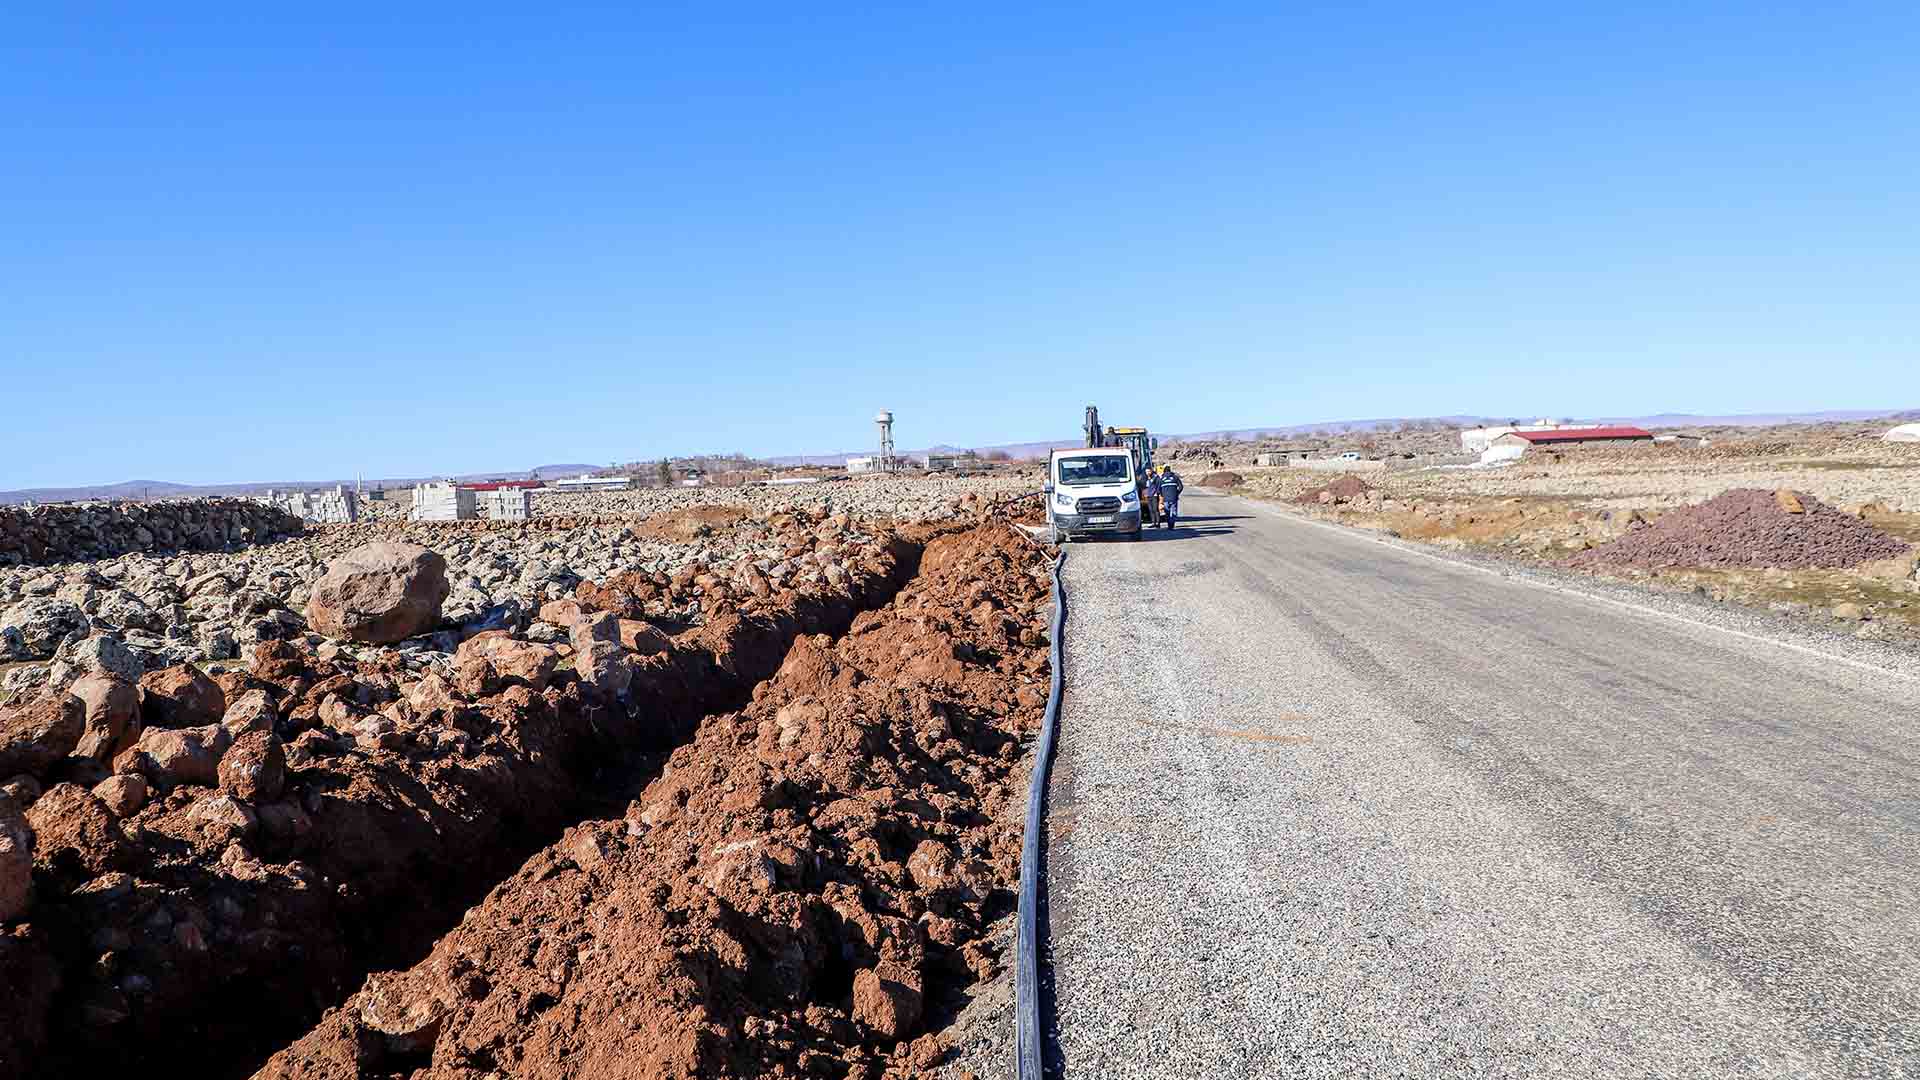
(1063, 500)
(1131, 498)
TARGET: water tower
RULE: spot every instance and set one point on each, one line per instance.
(884, 418)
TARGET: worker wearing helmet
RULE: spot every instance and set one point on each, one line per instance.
(1170, 486)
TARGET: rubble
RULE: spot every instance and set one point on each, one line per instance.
(805, 888)
(136, 612)
(334, 811)
(62, 533)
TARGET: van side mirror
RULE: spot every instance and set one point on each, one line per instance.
(1046, 488)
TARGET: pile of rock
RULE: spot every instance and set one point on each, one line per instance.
(65, 533)
(900, 498)
(1751, 528)
(238, 837)
(140, 612)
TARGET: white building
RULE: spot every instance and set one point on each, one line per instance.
(594, 483)
(860, 464)
(1476, 440)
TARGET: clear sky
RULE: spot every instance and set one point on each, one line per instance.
(397, 239)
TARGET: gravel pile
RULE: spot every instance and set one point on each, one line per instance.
(1343, 489)
(1749, 527)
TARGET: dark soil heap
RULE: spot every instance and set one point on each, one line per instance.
(1221, 479)
(1749, 527)
(1345, 489)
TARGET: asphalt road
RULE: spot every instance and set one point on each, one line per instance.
(1326, 807)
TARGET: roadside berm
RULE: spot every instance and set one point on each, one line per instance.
(217, 861)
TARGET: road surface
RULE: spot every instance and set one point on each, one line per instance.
(1327, 807)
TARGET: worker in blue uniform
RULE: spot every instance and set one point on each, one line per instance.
(1170, 486)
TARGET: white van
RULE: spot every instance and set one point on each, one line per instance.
(1092, 491)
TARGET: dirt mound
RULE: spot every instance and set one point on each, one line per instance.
(1749, 527)
(213, 922)
(805, 890)
(1343, 489)
(1031, 510)
(1221, 479)
(692, 523)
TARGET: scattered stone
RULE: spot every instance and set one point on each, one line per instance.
(492, 660)
(887, 1001)
(34, 628)
(107, 653)
(180, 696)
(22, 789)
(75, 834)
(112, 711)
(605, 666)
(123, 794)
(252, 711)
(170, 757)
(254, 768)
(35, 736)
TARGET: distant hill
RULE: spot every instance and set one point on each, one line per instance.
(164, 489)
(158, 489)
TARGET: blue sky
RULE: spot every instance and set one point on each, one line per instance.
(408, 239)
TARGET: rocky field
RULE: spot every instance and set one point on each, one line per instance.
(1815, 522)
(747, 758)
(135, 612)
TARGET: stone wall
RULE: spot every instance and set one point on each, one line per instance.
(68, 533)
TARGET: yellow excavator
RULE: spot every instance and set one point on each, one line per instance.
(1142, 446)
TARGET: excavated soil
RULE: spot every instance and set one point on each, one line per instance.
(1031, 510)
(1749, 527)
(1343, 489)
(692, 523)
(359, 809)
(805, 890)
(1222, 479)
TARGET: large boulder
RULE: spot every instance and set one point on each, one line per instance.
(181, 696)
(36, 735)
(112, 708)
(379, 593)
(16, 860)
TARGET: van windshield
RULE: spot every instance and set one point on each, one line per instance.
(1095, 469)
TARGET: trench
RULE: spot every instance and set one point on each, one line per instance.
(230, 1030)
